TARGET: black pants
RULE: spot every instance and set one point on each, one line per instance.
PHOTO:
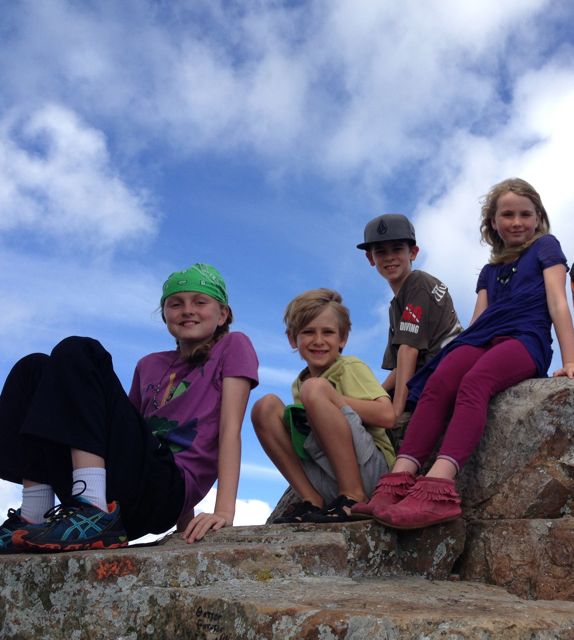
(73, 399)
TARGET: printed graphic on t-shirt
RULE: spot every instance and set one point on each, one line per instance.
(411, 319)
(438, 291)
(177, 436)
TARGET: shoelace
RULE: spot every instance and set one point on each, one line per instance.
(13, 516)
(67, 508)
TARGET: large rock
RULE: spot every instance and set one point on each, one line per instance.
(259, 583)
(517, 490)
(531, 558)
(524, 464)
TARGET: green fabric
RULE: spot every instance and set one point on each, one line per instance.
(295, 418)
(200, 278)
(351, 377)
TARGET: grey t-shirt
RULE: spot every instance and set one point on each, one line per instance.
(421, 315)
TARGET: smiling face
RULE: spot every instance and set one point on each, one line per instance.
(320, 342)
(516, 219)
(192, 319)
(393, 261)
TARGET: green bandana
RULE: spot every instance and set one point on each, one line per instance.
(200, 278)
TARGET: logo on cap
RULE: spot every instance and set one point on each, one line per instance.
(382, 228)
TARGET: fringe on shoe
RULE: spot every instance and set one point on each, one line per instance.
(435, 489)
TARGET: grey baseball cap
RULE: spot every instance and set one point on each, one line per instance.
(390, 226)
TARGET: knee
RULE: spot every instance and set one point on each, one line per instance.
(75, 346)
(265, 411)
(31, 364)
(314, 389)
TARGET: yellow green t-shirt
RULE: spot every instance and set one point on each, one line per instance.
(352, 377)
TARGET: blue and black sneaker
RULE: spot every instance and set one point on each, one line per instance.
(12, 523)
(75, 525)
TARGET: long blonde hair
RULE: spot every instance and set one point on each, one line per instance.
(499, 253)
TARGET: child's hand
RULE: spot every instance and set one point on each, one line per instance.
(566, 370)
(202, 523)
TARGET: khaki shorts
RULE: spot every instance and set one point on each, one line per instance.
(372, 463)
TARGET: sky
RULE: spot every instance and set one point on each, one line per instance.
(140, 137)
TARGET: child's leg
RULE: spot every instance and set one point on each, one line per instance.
(90, 472)
(434, 499)
(79, 404)
(330, 427)
(16, 451)
(502, 366)
(37, 499)
(433, 410)
(267, 418)
(21, 457)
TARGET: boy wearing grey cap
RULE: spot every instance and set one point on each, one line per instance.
(422, 318)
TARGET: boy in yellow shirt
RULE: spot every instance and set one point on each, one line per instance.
(332, 445)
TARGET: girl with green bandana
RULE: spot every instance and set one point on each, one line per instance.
(124, 466)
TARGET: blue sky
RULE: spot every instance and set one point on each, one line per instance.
(139, 137)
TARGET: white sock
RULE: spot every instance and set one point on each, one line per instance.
(95, 481)
(36, 500)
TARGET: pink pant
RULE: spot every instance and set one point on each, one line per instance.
(463, 383)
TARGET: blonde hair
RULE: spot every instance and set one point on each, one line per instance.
(499, 253)
(307, 306)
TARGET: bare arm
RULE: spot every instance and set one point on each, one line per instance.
(406, 367)
(233, 404)
(481, 304)
(555, 284)
(389, 381)
(375, 413)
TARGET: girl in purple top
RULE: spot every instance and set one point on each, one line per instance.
(68, 428)
(520, 293)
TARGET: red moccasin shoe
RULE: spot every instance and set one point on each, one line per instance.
(429, 501)
(391, 488)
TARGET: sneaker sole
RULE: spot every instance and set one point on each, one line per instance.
(88, 546)
(25, 545)
(360, 515)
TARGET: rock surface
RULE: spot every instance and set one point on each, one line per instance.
(278, 582)
(518, 494)
(524, 464)
(532, 558)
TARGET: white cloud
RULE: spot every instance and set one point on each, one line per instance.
(247, 512)
(344, 85)
(534, 144)
(57, 179)
(251, 511)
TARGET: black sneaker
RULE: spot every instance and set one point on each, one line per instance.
(75, 526)
(296, 512)
(338, 511)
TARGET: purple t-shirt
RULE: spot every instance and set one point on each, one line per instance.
(517, 300)
(189, 421)
(516, 307)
